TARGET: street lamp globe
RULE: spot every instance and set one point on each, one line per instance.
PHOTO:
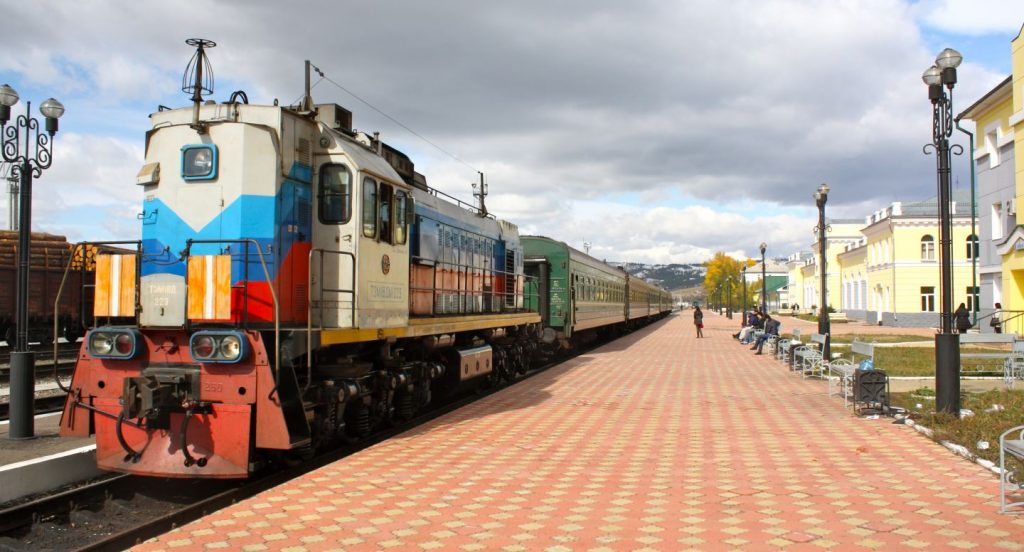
(51, 109)
(763, 247)
(8, 97)
(948, 58)
(932, 75)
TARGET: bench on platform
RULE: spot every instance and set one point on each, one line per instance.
(810, 357)
(838, 317)
(1015, 448)
(782, 346)
(842, 370)
(1010, 362)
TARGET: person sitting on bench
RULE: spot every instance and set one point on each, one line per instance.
(771, 327)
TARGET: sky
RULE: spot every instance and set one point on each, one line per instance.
(657, 131)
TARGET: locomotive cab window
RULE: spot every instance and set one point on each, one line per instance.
(335, 194)
(369, 207)
(199, 162)
(401, 217)
(385, 194)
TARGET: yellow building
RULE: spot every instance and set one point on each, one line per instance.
(839, 235)
(894, 273)
(999, 161)
(885, 267)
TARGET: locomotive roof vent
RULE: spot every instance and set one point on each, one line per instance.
(335, 116)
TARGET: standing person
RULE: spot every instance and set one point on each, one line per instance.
(996, 321)
(698, 320)
(963, 318)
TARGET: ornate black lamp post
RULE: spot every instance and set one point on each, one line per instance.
(820, 197)
(728, 298)
(764, 281)
(28, 151)
(744, 284)
(947, 344)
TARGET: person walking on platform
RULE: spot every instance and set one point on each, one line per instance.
(996, 322)
(963, 319)
(698, 320)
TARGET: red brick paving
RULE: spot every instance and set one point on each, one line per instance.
(658, 441)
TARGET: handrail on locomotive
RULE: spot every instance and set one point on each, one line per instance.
(60, 290)
(273, 295)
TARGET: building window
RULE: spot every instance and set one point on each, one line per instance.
(972, 247)
(992, 146)
(997, 221)
(927, 298)
(973, 296)
(927, 248)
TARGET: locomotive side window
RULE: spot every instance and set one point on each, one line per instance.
(369, 207)
(199, 162)
(385, 213)
(401, 215)
(335, 194)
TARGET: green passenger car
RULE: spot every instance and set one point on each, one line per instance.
(573, 291)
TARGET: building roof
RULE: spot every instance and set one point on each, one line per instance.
(773, 284)
(997, 94)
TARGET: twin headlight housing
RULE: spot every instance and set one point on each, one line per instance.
(218, 346)
(113, 343)
(205, 346)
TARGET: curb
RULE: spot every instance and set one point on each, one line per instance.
(956, 449)
(47, 473)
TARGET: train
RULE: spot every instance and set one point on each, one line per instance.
(298, 284)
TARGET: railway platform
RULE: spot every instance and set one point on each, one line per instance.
(657, 441)
(44, 463)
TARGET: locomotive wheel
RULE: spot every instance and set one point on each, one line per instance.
(524, 360)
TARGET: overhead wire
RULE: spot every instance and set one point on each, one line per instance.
(393, 120)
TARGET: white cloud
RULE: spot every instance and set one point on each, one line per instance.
(973, 17)
(567, 106)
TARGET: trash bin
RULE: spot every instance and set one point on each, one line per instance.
(870, 392)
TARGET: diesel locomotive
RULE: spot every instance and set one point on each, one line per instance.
(298, 283)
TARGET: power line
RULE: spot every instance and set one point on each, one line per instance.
(393, 120)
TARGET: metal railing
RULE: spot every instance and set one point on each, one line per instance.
(320, 302)
(462, 294)
(245, 298)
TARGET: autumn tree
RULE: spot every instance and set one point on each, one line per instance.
(724, 272)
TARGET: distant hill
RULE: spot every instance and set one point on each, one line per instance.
(669, 276)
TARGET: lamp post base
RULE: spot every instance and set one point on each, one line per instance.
(23, 396)
(947, 373)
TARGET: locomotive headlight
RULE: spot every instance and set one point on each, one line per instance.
(101, 343)
(218, 346)
(199, 162)
(119, 343)
(230, 347)
(203, 347)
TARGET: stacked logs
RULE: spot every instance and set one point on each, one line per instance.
(48, 251)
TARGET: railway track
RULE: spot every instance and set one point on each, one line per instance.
(122, 510)
(44, 356)
(48, 396)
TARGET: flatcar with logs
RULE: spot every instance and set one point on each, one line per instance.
(49, 255)
(297, 284)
